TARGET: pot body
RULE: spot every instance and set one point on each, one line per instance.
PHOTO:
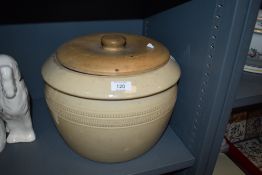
(111, 131)
(111, 96)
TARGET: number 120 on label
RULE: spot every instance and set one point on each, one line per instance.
(121, 85)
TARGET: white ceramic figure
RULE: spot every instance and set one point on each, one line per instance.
(2, 135)
(14, 105)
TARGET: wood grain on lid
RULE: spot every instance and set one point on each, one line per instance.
(112, 54)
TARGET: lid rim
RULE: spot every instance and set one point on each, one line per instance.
(87, 55)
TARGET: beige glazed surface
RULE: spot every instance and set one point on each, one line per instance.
(108, 115)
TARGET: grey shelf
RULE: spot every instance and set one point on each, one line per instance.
(249, 90)
(50, 155)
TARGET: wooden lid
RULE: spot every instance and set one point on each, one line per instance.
(112, 54)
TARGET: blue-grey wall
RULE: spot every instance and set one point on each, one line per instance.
(186, 34)
(32, 44)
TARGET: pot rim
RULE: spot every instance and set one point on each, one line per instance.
(101, 87)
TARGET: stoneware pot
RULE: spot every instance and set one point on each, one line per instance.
(111, 95)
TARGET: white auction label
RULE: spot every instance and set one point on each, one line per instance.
(121, 86)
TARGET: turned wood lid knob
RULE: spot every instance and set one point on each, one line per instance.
(113, 42)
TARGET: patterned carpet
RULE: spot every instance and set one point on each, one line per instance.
(244, 133)
(252, 149)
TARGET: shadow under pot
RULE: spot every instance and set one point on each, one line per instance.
(111, 95)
